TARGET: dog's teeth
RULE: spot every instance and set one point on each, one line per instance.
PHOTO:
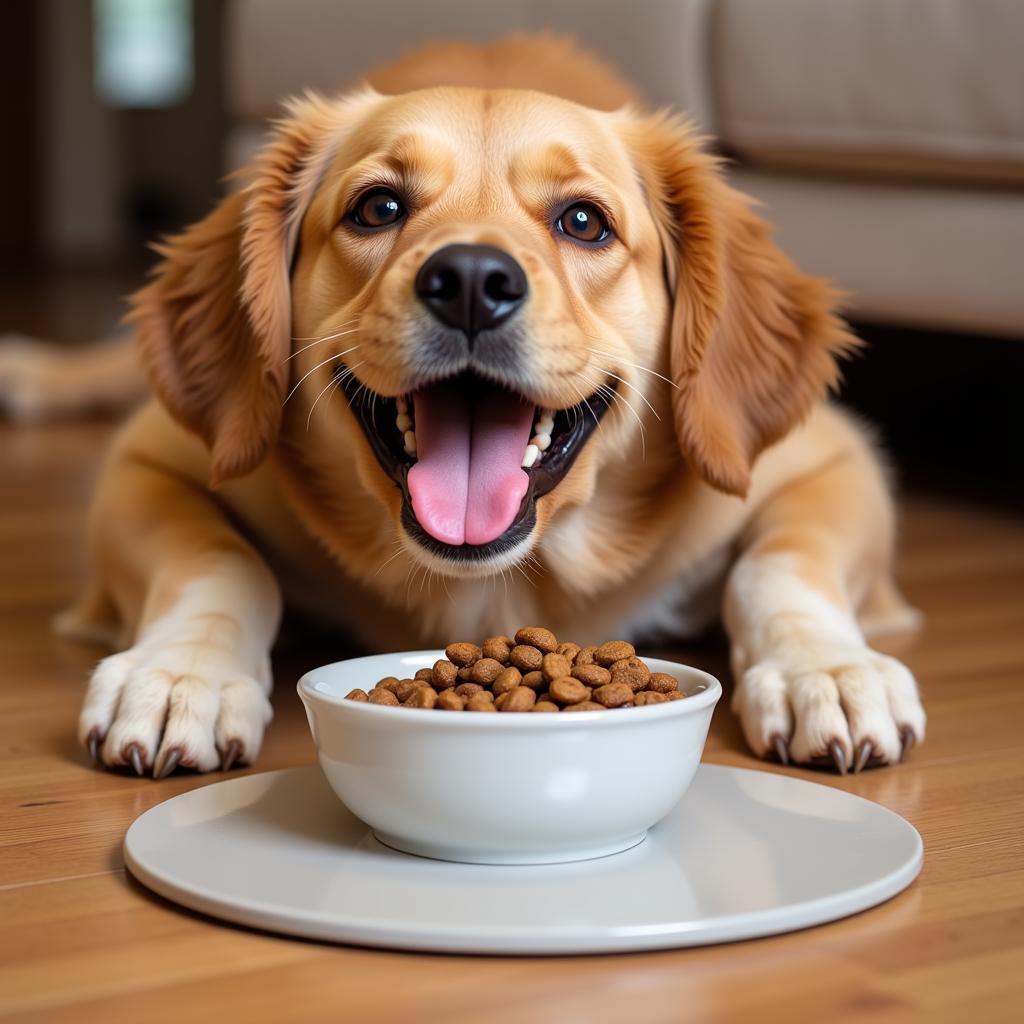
(531, 456)
(545, 422)
(410, 442)
(403, 422)
(402, 405)
(541, 441)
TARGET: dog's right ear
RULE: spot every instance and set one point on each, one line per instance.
(214, 323)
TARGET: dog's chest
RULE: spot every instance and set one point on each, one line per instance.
(431, 612)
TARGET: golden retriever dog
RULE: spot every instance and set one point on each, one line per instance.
(477, 345)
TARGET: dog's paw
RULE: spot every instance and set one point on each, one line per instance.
(161, 705)
(853, 710)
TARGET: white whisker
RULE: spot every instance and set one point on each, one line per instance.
(332, 383)
(384, 565)
(643, 398)
(583, 398)
(636, 366)
(605, 389)
(319, 341)
(522, 572)
(335, 383)
(329, 359)
(324, 337)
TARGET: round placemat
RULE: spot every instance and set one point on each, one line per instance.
(743, 854)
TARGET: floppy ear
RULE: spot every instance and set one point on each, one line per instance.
(214, 323)
(753, 342)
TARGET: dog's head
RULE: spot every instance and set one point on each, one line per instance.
(475, 301)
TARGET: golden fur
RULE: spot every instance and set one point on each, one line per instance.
(717, 467)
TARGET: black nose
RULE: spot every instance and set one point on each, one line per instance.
(471, 287)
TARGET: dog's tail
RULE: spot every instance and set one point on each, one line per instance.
(42, 381)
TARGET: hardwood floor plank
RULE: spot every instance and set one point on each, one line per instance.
(81, 941)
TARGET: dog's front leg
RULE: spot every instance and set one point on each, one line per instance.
(202, 610)
(808, 686)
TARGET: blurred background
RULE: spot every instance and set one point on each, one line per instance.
(885, 138)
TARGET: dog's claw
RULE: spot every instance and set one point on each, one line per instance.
(231, 752)
(835, 748)
(781, 750)
(906, 742)
(135, 757)
(94, 746)
(862, 757)
(167, 763)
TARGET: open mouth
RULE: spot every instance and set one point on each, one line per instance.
(472, 458)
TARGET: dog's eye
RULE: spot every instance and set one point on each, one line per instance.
(378, 208)
(584, 223)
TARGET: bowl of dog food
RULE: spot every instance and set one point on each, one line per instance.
(517, 750)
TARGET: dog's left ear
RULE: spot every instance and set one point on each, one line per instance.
(214, 323)
(753, 342)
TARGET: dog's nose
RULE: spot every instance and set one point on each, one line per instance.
(471, 287)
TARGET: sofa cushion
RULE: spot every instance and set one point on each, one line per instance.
(276, 49)
(934, 256)
(931, 87)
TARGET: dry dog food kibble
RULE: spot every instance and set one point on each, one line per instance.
(531, 671)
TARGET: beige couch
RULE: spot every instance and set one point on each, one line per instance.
(885, 137)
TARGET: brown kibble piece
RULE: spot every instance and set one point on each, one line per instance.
(613, 651)
(388, 683)
(405, 688)
(466, 690)
(442, 675)
(662, 682)
(544, 705)
(650, 697)
(634, 678)
(554, 666)
(506, 680)
(380, 695)
(449, 700)
(592, 675)
(585, 705)
(496, 647)
(486, 670)
(499, 702)
(634, 662)
(465, 674)
(462, 654)
(426, 674)
(525, 658)
(537, 636)
(569, 650)
(422, 697)
(584, 656)
(357, 694)
(522, 698)
(481, 701)
(613, 695)
(568, 690)
(676, 695)
(534, 680)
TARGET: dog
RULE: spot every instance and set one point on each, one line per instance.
(483, 343)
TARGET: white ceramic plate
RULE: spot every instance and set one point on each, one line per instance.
(743, 854)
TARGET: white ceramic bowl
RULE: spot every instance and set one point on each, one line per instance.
(504, 788)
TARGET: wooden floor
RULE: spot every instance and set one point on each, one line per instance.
(81, 941)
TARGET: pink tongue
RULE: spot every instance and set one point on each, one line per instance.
(467, 483)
